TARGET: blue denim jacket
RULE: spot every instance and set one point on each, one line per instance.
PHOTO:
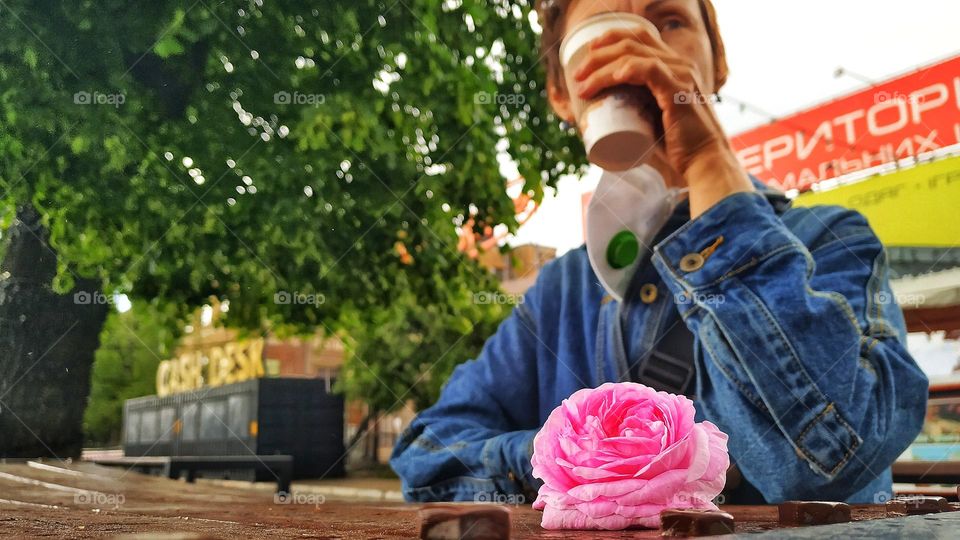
(799, 351)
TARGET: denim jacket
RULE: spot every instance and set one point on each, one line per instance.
(799, 352)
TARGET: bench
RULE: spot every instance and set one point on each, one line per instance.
(280, 466)
(927, 472)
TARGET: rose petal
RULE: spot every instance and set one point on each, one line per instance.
(556, 519)
(699, 459)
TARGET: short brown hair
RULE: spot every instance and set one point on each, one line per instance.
(553, 13)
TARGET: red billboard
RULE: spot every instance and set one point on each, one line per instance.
(905, 116)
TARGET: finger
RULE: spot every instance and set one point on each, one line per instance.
(650, 72)
(600, 57)
(643, 33)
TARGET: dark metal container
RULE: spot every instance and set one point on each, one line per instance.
(294, 416)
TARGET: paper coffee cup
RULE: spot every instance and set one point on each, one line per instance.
(617, 133)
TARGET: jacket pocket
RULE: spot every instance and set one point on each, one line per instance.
(828, 441)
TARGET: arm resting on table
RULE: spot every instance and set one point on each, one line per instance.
(475, 443)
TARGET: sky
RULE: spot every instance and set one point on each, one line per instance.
(782, 56)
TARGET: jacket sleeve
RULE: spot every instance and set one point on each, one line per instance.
(475, 443)
(804, 363)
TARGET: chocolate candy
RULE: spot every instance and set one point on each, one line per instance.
(813, 512)
(695, 523)
(467, 522)
(895, 507)
(920, 504)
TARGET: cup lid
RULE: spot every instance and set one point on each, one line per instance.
(594, 27)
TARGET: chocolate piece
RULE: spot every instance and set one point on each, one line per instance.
(921, 504)
(695, 523)
(895, 508)
(813, 512)
(466, 522)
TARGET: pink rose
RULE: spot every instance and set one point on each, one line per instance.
(615, 456)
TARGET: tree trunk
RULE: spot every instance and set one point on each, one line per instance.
(362, 428)
(375, 438)
(47, 343)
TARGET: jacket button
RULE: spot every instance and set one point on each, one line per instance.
(648, 293)
(691, 262)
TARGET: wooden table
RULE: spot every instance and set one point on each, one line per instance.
(82, 500)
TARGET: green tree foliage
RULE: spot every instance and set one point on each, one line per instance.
(132, 344)
(243, 149)
(407, 350)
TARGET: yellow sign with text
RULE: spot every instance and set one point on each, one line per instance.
(917, 207)
(215, 366)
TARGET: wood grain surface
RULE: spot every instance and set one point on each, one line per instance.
(81, 500)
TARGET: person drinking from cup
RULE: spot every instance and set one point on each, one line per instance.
(775, 320)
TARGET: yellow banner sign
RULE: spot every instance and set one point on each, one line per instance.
(917, 207)
(215, 366)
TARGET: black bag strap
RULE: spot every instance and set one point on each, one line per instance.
(670, 366)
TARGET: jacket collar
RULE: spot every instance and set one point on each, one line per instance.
(777, 199)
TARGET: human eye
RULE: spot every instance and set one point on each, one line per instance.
(671, 20)
(671, 23)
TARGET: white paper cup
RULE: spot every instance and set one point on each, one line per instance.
(617, 132)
